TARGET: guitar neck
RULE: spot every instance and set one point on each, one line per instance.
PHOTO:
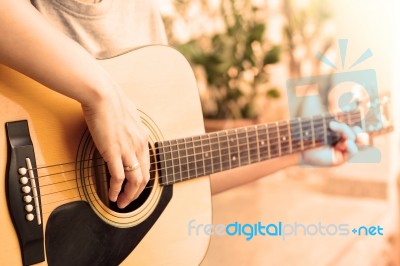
(187, 158)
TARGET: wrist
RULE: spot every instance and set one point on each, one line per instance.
(96, 93)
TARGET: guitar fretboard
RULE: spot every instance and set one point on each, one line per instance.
(187, 158)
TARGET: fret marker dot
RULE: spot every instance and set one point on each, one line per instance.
(262, 142)
(283, 138)
(206, 154)
(234, 158)
(306, 133)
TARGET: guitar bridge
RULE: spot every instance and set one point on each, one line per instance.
(23, 194)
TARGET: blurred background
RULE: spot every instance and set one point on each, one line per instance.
(243, 53)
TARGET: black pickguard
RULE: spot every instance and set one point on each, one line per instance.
(76, 236)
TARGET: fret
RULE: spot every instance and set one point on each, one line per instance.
(258, 144)
(160, 153)
(224, 150)
(306, 133)
(284, 138)
(183, 159)
(191, 157)
(215, 153)
(332, 137)
(290, 137)
(205, 144)
(233, 148)
(278, 138)
(243, 148)
(273, 140)
(262, 139)
(349, 122)
(312, 131)
(253, 144)
(337, 117)
(301, 134)
(176, 164)
(326, 126)
(361, 121)
(355, 118)
(168, 167)
(268, 141)
(341, 117)
(318, 126)
(161, 158)
(295, 135)
(199, 159)
(247, 142)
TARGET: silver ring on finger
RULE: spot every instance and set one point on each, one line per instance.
(131, 168)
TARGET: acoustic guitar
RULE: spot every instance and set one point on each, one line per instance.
(54, 203)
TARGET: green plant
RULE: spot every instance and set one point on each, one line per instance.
(307, 27)
(235, 62)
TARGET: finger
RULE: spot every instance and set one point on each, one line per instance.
(352, 148)
(134, 179)
(145, 163)
(143, 156)
(136, 183)
(341, 146)
(338, 157)
(117, 177)
(342, 129)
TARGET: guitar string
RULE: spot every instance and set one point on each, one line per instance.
(71, 199)
(213, 165)
(76, 189)
(296, 149)
(315, 140)
(267, 125)
(90, 193)
(283, 146)
(90, 185)
(147, 187)
(89, 177)
(274, 130)
(74, 180)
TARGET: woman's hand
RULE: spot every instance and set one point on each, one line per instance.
(121, 139)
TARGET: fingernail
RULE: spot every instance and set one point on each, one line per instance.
(113, 198)
(122, 204)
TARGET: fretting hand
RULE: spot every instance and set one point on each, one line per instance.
(341, 152)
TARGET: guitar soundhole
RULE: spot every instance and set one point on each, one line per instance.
(102, 184)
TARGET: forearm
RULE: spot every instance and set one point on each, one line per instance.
(225, 180)
(35, 48)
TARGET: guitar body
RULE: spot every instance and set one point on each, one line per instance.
(161, 83)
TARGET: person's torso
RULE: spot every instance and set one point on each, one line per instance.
(106, 28)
